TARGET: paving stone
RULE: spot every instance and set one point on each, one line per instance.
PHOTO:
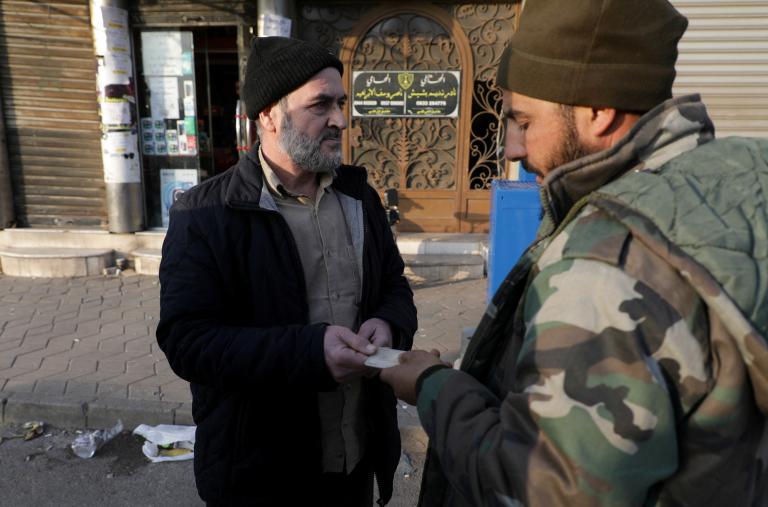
(75, 388)
(113, 365)
(63, 328)
(55, 363)
(139, 391)
(81, 364)
(18, 319)
(112, 330)
(67, 315)
(112, 346)
(145, 365)
(98, 376)
(42, 329)
(141, 344)
(130, 378)
(112, 390)
(50, 386)
(407, 415)
(161, 364)
(7, 347)
(111, 314)
(87, 328)
(6, 361)
(25, 385)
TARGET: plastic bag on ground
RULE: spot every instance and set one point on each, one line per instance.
(86, 444)
(167, 442)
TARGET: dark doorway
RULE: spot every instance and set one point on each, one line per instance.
(207, 125)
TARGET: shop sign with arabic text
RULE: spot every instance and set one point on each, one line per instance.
(421, 93)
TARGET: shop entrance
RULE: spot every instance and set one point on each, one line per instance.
(187, 92)
(409, 76)
(441, 160)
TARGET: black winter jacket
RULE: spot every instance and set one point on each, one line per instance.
(233, 322)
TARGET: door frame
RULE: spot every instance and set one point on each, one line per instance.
(463, 123)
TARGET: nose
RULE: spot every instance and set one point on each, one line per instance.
(337, 118)
(514, 143)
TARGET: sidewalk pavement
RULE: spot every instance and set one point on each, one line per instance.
(81, 352)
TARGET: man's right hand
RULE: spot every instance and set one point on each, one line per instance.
(345, 353)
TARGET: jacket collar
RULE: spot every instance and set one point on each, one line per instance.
(670, 129)
(246, 186)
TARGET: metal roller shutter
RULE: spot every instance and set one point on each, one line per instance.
(724, 56)
(48, 85)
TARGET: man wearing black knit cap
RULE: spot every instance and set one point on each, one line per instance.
(623, 360)
(278, 279)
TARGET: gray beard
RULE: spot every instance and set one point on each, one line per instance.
(306, 152)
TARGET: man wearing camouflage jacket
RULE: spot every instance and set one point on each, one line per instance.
(623, 361)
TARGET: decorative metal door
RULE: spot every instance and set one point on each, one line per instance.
(418, 156)
(442, 167)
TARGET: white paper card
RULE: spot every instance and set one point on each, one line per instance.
(121, 159)
(115, 112)
(164, 97)
(161, 54)
(118, 68)
(384, 358)
(273, 25)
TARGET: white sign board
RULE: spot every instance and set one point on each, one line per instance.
(271, 25)
(161, 53)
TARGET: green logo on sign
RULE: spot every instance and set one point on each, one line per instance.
(405, 79)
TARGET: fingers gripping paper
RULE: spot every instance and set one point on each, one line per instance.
(384, 358)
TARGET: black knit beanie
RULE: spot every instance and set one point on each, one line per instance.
(279, 65)
(602, 53)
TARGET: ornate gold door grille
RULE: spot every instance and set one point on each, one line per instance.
(419, 155)
(488, 27)
(406, 153)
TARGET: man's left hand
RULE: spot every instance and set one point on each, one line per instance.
(376, 331)
(402, 378)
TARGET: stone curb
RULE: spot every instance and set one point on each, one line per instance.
(90, 412)
(99, 412)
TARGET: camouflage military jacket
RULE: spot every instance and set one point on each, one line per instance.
(623, 361)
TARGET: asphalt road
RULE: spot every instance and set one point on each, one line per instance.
(45, 472)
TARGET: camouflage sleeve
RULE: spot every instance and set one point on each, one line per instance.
(585, 417)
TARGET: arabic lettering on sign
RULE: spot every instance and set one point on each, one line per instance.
(405, 93)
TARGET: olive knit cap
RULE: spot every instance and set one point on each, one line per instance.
(601, 53)
(279, 65)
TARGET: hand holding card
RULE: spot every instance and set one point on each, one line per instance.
(384, 357)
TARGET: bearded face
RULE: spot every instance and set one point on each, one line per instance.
(320, 154)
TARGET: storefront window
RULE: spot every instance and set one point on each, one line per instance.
(187, 94)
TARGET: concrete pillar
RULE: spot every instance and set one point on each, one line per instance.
(7, 216)
(120, 152)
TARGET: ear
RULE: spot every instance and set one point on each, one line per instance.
(268, 118)
(602, 121)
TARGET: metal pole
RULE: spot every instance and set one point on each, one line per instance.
(7, 217)
(121, 156)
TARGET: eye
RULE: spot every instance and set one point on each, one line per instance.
(319, 108)
(512, 123)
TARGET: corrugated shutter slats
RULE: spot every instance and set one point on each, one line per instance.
(48, 83)
(724, 56)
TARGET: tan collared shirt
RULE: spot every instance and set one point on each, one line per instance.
(333, 293)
